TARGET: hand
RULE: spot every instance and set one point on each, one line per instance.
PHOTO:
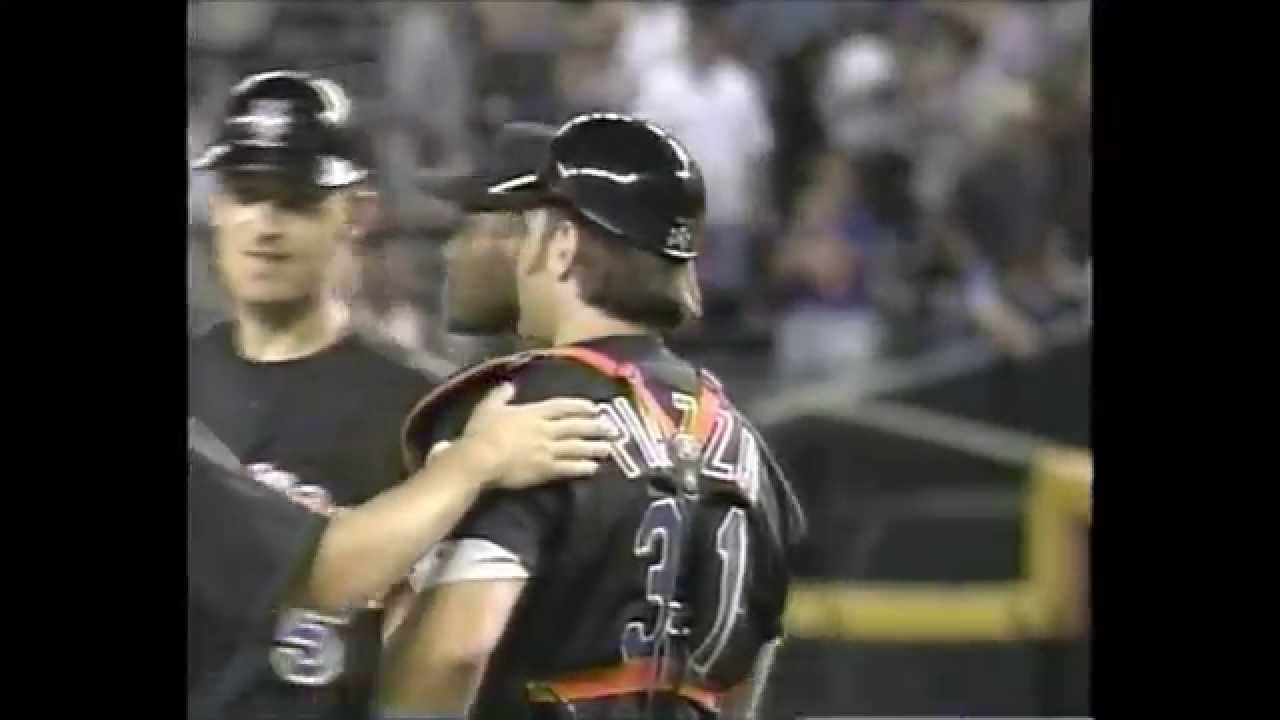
(534, 443)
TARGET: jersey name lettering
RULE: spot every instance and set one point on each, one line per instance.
(731, 453)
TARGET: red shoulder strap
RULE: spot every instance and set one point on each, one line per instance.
(710, 403)
(700, 421)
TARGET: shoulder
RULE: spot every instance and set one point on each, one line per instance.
(387, 365)
(548, 377)
(388, 387)
(535, 377)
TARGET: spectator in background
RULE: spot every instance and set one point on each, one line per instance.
(944, 97)
(800, 50)
(1002, 201)
(714, 104)
(427, 72)
(863, 110)
(828, 324)
(772, 31)
(589, 70)
(1020, 277)
(515, 61)
(652, 33)
(963, 63)
(858, 96)
(919, 85)
(1020, 40)
(801, 136)
(1015, 37)
(1065, 94)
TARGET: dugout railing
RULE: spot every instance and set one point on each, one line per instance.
(947, 568)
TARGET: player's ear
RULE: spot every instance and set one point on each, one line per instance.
(563, 248)
(361, 211)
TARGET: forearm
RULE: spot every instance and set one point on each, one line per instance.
(437, 658)
(429, 666)
(368, 548)
(441, 689)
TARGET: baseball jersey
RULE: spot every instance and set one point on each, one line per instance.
(238, 572)
(324, 431)
(595, 552)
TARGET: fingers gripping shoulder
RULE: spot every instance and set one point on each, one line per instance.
(415, 431)
(536, 378)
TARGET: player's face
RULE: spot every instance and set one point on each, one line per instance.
(480, 294)
(276, 239)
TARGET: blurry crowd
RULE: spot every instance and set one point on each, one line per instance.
(884, 178)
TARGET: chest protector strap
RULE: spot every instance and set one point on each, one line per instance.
(699, 423)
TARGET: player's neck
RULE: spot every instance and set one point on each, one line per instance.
(587, 323)
(279, 333)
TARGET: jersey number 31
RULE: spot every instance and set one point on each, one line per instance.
(662, 522)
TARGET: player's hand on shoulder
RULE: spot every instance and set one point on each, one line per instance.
(536, 442)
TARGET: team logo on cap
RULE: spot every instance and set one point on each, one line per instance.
(268, 120)
(680, 239)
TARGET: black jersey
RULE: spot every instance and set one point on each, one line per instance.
(595, 552)
(237, 573)
(324, 430)
(240, 572)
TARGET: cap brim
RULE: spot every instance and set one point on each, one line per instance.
(510, 183)
(478, 193)
(326, 170)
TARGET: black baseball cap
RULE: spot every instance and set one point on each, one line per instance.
(518, 150)
(625, 175)
(287, 122)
